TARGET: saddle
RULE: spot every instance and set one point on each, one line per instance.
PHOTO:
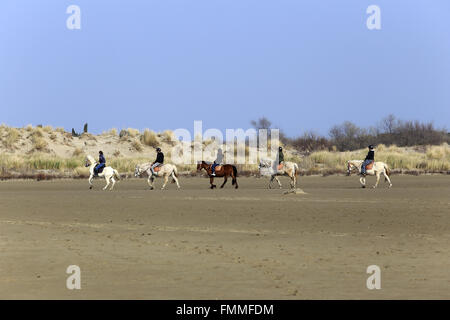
(218, 168)
(100, 170)
(157, 169)
(370, 165)
(280, 166)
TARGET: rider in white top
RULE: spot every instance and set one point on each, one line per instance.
(219, 160)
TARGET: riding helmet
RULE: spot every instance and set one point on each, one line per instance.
(371, 147)
(158, 149)
(280, 148)
(100, 152)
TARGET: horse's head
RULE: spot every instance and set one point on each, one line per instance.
(137, 171)
(265, 163)
(89, 161)
(352, 164)
(201, 165)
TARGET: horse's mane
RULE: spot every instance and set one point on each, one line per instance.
(91, 159)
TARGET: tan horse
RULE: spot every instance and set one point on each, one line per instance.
(269, 167)
(165, 171)
(108, 173)
(377, 169)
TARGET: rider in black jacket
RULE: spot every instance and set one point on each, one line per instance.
(159, 160)
(369, 158)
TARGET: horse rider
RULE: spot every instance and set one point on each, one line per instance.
(218, 161)
(280, 155)
(280, 158)
(159, 160)
(101, 163)
(369, 159)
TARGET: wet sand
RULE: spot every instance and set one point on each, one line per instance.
(250, 243)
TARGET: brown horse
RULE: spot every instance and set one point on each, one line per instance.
(225, 171)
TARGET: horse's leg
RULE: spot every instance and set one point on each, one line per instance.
(90, 181)
(378, 180)
(151, 179)
(107, 182)
(292, 181)
(271, 181)
(387, 178)
(225, 178)
(363, 181)
(211, 180)
(113, 183)
(279, 183)
(176, 180)
(166, 179)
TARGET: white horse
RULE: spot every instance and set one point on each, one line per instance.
(377, 169)
(268, 167)
(108, 173)
(166, 170)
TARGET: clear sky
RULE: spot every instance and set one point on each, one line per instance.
(162, 64)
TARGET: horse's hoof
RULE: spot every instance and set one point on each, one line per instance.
(90, 187)
(151, 188)
(363, 187)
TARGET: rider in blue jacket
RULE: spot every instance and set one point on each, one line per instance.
(101, 162)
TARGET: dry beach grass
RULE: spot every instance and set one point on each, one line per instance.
(28, 150)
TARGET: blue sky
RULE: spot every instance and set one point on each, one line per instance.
(306, 65)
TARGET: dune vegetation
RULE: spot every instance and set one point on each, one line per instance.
(53, 152)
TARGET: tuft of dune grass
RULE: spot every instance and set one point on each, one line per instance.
(77, 152)
(137, 145)
(12, 137)
(110, 132)
(47, 129)
(39, 143)
(149, 138)
(168, 136)
(133, 132)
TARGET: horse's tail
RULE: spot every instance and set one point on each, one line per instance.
(116, 174)
(388, 171)
(175, 173)
(233, 182)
